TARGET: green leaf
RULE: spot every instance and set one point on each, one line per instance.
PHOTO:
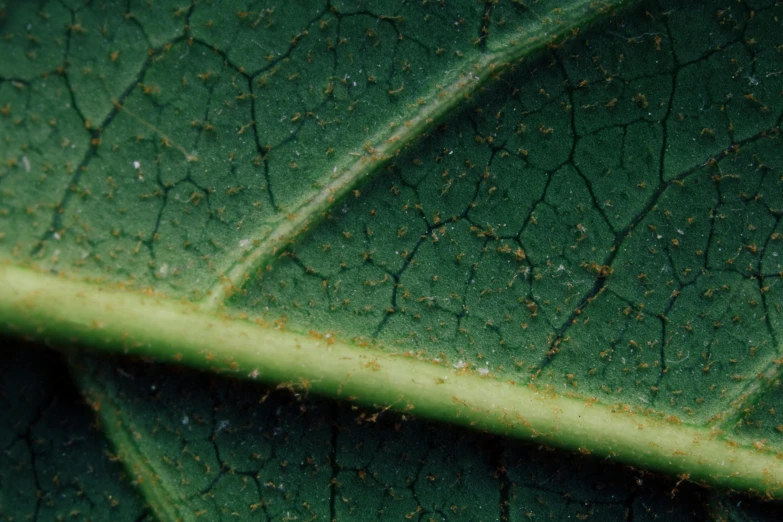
(294, 457)
(243, 456)
(54, 464)
(488, 214)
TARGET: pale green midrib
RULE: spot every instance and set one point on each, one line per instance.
(155, 491)
(387, 143)
(57, 309)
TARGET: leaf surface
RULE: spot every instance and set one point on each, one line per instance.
(591, 216)
(54, 463)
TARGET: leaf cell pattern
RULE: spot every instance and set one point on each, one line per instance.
(602, 219)
(606, 221)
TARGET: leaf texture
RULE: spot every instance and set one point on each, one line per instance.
(495, 189)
